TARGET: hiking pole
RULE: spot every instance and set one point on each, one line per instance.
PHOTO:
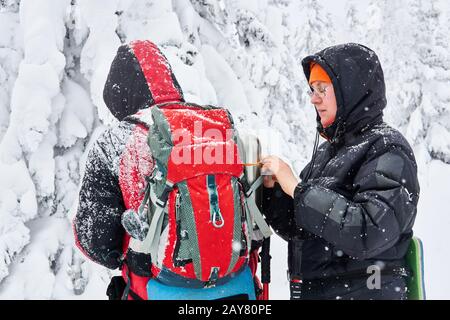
(265, 267)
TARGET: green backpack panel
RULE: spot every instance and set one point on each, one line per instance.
(415, 262)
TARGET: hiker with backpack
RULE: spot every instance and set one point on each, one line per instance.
(349, 221)
(165, 196)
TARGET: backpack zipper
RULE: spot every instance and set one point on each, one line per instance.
(176, 261)
(216, 216)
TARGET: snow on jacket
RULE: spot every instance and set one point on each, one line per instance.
(118, 162)
(357, 206)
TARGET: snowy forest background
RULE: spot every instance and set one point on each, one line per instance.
(54, 59)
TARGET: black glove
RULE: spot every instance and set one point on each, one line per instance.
(136, 224)
(116, 288)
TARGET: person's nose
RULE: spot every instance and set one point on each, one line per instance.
(315, 99)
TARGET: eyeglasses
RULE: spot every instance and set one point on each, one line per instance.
(320, 92)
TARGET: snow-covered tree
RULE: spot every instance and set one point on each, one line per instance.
(10, 56)
(380, 18)
(311, 27)
(430, 114)
(355, 28)
(388, 33)
(27, 147)
(51, 118)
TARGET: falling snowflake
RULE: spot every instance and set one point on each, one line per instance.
(236, 246)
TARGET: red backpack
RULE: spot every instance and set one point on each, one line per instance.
(198, 215)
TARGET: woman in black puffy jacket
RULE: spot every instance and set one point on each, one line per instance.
(349, 221)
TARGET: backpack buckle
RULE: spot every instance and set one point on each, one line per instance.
(213, 277)
(165, 194)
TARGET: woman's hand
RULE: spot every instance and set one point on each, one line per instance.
(269, 181)
(281, 173)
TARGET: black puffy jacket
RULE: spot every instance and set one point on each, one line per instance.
(357, 201)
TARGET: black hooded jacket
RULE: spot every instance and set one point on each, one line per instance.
(356, 203)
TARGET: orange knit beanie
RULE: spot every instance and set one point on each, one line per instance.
(318, 74)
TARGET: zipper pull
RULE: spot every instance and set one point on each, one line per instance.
(177, 205)
(217, 219)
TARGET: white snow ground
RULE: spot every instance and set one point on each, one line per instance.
(54, 58)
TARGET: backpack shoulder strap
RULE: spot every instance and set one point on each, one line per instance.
(254, 210)
(255, 185)
(259, 219)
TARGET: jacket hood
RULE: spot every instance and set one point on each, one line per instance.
(359, 86)
(140, 76)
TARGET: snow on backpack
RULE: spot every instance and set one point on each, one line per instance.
(198, 217)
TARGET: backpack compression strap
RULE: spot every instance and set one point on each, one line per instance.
(151, 242)
(253, 208)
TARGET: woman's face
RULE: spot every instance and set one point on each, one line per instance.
(324, 100)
